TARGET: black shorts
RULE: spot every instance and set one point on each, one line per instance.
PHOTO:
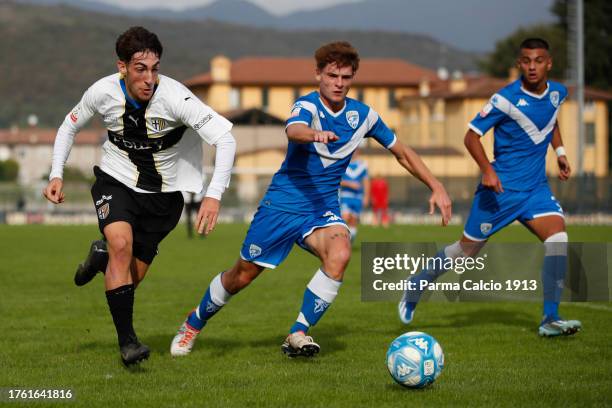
(151, 215)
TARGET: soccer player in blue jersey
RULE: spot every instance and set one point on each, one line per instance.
(514, 186)
(354, 193)
(301, 204)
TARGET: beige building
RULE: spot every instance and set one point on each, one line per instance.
(32, 148)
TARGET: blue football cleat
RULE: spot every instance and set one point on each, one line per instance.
(406, 309)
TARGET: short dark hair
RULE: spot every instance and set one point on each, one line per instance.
(137, 39)
(534, 43)
(340, 52)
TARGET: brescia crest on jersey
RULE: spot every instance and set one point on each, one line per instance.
(352, 117)
(554, 98)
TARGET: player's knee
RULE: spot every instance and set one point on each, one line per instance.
(120, 247)
(556, 244)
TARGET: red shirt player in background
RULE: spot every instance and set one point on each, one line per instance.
(379, 190)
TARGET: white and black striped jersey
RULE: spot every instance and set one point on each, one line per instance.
(147, 147)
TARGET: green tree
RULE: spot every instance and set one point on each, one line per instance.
(9, 170)
(499, 62)
(597, 43)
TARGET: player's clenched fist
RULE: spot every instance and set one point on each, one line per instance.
(491, 181)
(53, 192)
(324, 136)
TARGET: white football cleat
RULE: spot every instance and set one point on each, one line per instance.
(298, 344)
(184, 340)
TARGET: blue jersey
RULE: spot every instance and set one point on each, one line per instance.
(309, 178)
(524, 124)
(357, 171)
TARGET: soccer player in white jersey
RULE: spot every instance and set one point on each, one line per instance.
(147, 161)
(301, 204)
(514, 186)
(354, 193)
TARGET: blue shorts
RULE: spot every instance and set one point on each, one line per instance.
(273, 232)
(351, 205)
(492, 211)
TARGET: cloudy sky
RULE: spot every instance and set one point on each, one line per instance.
(272, 6)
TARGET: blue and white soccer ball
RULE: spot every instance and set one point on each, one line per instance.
(415, 359)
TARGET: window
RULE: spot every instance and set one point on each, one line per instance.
(392, 99)
(589, 134)
(360, 94)
(234, 98)
(265, 98)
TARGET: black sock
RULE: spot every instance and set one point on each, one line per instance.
(121, 304)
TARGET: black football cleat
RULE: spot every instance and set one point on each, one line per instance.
(96, 261)
(134, 352)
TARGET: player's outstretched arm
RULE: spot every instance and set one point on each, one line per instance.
(565, 170)
(73, 123)
(413, 163)
(224, 161)
(489, 176)
(300, 133)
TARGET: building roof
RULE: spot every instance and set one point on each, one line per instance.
(41, 136)
(300, 71)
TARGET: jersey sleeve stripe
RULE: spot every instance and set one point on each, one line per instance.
(475, 129)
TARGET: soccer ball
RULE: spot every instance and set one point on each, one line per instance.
(415, 359)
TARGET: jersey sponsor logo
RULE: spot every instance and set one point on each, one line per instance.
(332, 216)
(522, 102)
(485, 111)
(135, 120)
(137, 145)
(111, 119)
(485, 227)
(74, 115)
(158, 124)
(104, 198)
(352, 117)
(103, 211)
(320, 306)
(203, 121)
(321, 115)
(554, 98)
(254, 250)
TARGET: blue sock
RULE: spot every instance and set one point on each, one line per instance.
(553, 276)
(214, 299)
(318, 296)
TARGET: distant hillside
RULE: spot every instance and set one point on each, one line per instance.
(51, 54)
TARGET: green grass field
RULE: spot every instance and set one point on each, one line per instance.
(55, 335)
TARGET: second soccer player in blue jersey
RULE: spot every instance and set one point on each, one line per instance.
(354, 193)
(514, 185)
(301, 204)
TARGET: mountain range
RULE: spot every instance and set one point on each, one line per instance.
(467, 24)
